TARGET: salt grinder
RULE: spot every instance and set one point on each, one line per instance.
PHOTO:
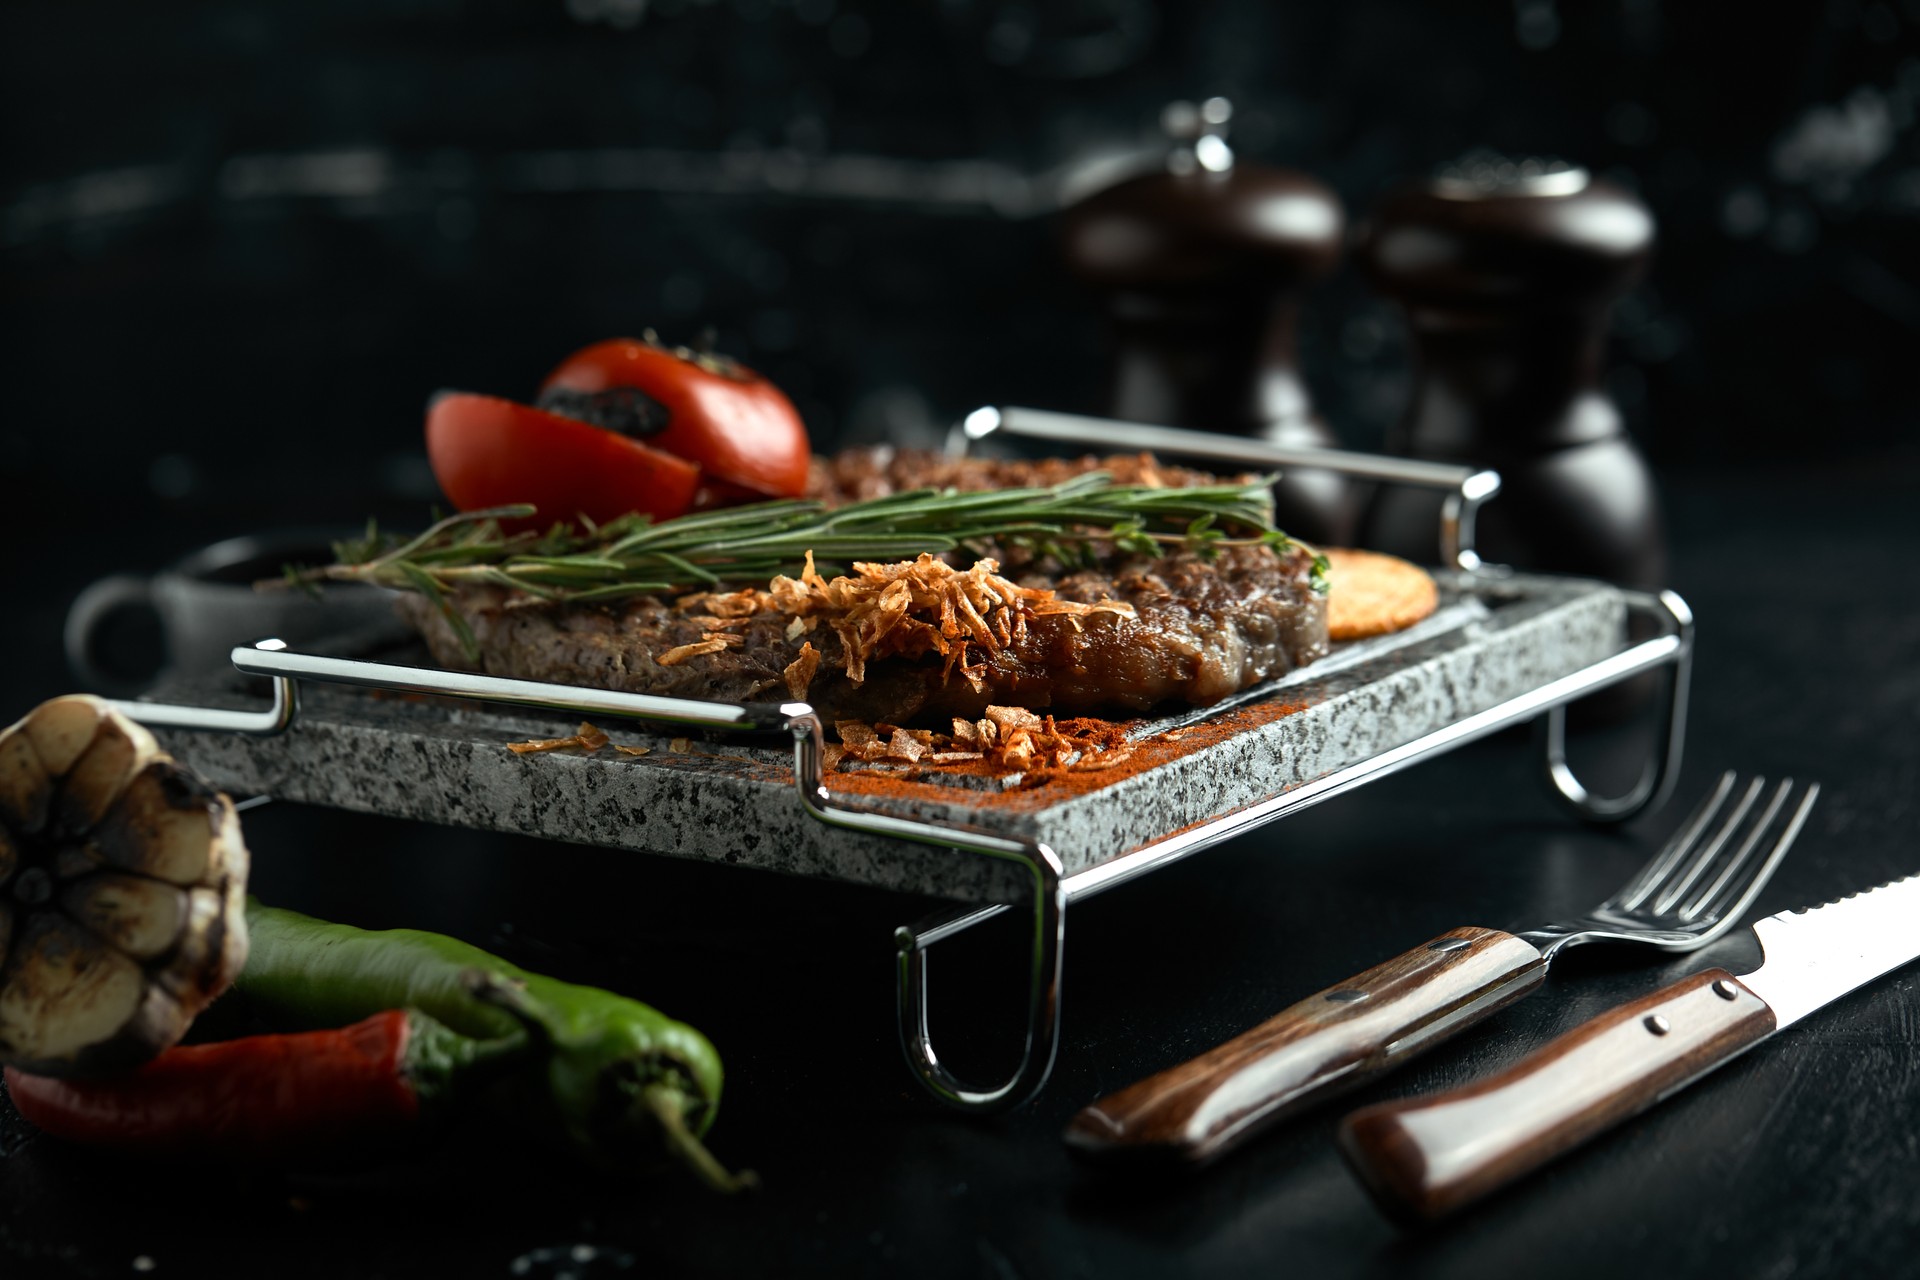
(1507, 272)
(1202, 264)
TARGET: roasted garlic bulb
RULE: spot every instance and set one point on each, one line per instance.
(123, 883)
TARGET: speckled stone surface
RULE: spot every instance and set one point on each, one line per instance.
(733, 800)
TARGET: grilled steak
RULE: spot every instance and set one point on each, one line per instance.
(919, 641)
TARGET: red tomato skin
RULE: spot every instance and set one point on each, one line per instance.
(740, 429)
(488, 452)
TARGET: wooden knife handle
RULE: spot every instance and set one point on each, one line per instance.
(1191, 1113)
(1425, 1157)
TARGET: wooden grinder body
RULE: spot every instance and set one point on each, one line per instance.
(1507, 293)
(1202, 274)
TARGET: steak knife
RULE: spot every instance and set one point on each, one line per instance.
(1425, 1157)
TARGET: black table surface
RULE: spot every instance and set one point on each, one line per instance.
(1800, 1158)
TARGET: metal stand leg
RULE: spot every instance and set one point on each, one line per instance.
(1663, 766)
(1049, 905)
(1044, 894)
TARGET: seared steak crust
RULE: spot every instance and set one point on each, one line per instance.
(1201, 628)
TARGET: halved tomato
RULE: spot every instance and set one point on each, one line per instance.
(736, 426)
(488, 452)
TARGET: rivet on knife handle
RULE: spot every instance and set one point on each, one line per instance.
(1425, 1157)
(1339, 1038)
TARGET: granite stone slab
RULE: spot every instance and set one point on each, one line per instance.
(732, 800)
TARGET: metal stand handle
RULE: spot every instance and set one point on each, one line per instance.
(1663, 765)
(1467, 488)
(275, 719)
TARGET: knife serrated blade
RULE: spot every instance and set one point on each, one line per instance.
(1425, 1157)
(1815, 956)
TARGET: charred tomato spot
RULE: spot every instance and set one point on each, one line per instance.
(626, 411)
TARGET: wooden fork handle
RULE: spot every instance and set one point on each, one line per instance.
(1425, 1157)
(1334, 1040)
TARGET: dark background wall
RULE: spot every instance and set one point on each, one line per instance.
(241, 243)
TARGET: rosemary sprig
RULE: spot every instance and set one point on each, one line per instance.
(751, 544)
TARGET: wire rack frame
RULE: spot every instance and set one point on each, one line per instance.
(1047, 890)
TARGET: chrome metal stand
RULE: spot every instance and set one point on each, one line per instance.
(1048, 892)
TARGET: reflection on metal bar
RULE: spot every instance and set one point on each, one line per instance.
(1467, 487)
(258, 724)
(940, 927)
(272, 659)
(521, 693)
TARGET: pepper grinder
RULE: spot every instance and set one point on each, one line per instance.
(1202, 264)
(1507, 272)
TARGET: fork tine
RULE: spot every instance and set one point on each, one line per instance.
(1730, 896)
(1696, 867)
(1655, 872)
(1733, 865)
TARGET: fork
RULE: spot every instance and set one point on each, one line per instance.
(1689, 893)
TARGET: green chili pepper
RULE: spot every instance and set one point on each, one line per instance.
(616, 1079)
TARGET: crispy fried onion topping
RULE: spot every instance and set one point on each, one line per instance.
(909, 608)
(799, 673)
(588, 738)
(1006, 739)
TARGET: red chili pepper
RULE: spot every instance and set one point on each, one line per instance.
(273, 1098)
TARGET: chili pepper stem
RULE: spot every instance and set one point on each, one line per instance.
(669, 1110)
(512, 997)
(665, 1104)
